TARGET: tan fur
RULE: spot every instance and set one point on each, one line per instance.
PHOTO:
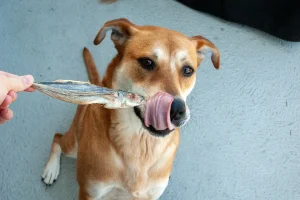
(91, 68)
(113, 149)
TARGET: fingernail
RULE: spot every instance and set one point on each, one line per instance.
(28, 79)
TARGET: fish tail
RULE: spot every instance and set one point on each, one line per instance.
(91, 68)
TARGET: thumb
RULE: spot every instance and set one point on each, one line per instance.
(18, 83)
(14, 83)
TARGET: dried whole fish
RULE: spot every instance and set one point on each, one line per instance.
(83, 93)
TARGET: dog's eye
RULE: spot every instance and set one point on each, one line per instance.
(187, 71)
(146, 63)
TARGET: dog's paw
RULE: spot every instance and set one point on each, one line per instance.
(51, 170)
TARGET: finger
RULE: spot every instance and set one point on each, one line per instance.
(6, 102)
(17, 84)
(8, 74)
(13, 95)
(5, 115)
(30, 89)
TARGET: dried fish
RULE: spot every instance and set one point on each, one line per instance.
(83, 93)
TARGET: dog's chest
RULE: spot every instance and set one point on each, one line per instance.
(142, 157)
(134, 184)
(143, 161)
(136, 180)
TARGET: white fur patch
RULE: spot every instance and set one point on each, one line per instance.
(180, 55)
(160, 53)
(185, 94)
(99, 190)
(115, 191)
(177, 59)
(120, 81)
(173, 63)
(52, 168)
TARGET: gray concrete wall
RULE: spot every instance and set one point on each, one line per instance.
(242, 143)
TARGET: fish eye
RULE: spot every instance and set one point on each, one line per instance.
(146, 63)
(187, 71)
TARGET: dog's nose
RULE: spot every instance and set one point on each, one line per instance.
(178, 111)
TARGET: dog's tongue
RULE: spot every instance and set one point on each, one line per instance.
(158, 111)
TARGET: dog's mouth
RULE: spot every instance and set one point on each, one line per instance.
(162, 114)
(156, 117)
(150, 128)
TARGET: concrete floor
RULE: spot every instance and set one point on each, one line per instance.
(242, 143)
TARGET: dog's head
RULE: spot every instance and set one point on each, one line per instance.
(160, 64)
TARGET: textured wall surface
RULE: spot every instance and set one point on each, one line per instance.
(242, 143)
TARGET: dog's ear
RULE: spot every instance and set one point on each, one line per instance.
(203, 44)
(122, 29)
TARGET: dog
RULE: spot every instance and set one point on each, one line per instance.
(128, 153)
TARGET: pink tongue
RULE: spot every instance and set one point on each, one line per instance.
(158, 111)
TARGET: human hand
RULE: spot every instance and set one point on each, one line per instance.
(10, 84)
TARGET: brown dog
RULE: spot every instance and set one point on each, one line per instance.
(127, 154)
